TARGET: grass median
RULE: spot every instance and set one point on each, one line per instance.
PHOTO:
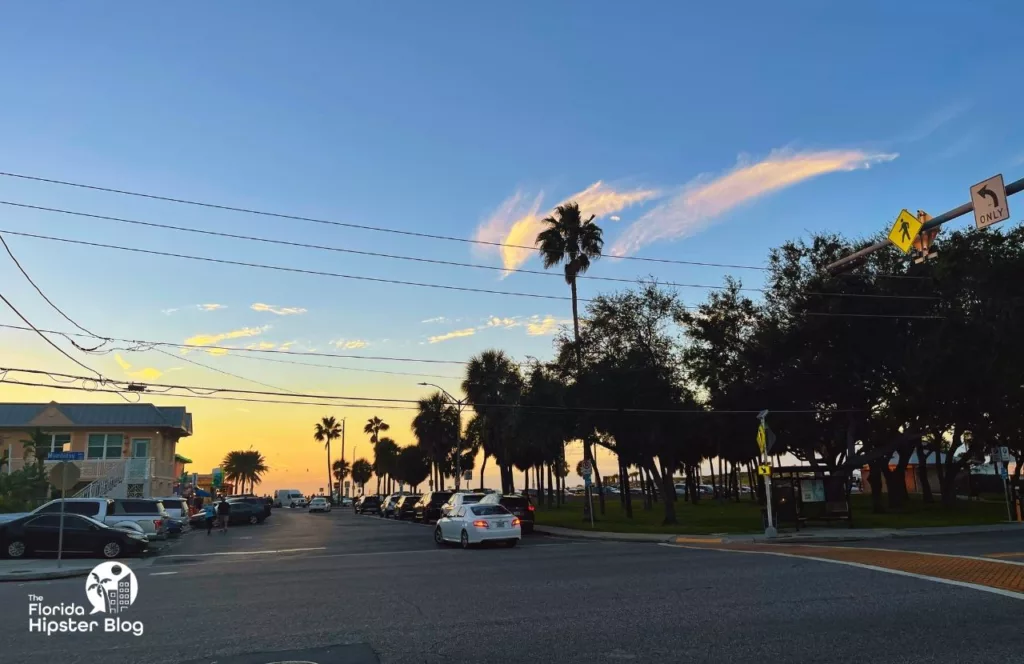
(712, 517)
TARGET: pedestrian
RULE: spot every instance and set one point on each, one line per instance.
(223, 512)
(209, 512)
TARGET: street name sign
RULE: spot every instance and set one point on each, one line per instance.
(904, 230)
(990, 204)
(65, 456)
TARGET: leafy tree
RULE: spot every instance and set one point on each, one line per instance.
(326, 430)
(362, 471)
(412, 466)
(436, 427)
(493, 385)
(244, 467)
(341, 470)
(385, 455)
(38, 445)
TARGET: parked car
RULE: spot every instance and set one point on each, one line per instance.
(518, 504)
(428, 507)
(368, 505)
(344, 501)
(319, 504)
(40, 533)
(476, 523)
(176, 508)
(289, 498)
(405, 508)
(148, 514)
(245, 512)
(256, 501)
(388, 504)
(460, 498)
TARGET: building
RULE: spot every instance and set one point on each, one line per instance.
(129, 448)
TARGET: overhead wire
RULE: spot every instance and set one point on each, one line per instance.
(420, 259)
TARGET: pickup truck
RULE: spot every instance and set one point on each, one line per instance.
(146, 515)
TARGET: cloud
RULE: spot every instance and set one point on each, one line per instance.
(703, 201)
(518, 220)
(349, 344)
(212, 339)
(438, 319)
(147, 374)
(211, 307)
(455, 334)
(615, 217)
(280, 311)
(286, 345)
(507, 322)
(168, 312)
(538, 326)
(262, 345)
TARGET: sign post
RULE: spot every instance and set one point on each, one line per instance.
(1000, 457)
(61, 474)
(587, 469)
(766, 470)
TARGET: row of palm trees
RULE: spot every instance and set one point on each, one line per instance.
(244, 468)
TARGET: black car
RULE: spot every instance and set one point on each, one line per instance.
(39, 533)
(368, 505)
(246, 512)
(520, 506)
(405, 508)
(262, 503)
(428, 507)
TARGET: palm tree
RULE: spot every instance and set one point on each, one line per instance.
(492, 384)
(38, 445)
(385, 454)
(570, 240)
(341, 471)
(326, 430)
(374, 426)
(242, 467)
(362, 471)
(436, 427)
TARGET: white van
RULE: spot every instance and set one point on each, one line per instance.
(289, 498)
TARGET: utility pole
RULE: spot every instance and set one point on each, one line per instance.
(459, 403)
(342, 453)
(1011, 189)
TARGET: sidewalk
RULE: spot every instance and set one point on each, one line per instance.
(41, 569)
(807, 535)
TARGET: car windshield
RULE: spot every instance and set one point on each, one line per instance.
(488, 510)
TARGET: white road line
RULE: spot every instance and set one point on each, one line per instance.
(161, 573)
(243, 553)
(923, 553)
(962, 584)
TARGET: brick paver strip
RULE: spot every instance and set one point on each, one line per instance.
(993, 574)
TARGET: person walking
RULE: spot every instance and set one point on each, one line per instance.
(223, 512)
(209, 512)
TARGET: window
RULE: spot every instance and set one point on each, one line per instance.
(105, 445)
(129, 506)
(75, 522)
(86, 507)
(489, 510)
(140, 448)
(47, 521)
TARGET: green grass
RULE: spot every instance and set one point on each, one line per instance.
(710, 517)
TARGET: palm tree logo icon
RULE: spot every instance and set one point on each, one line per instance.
(111, 587)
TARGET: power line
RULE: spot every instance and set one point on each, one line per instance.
(211, 391)
(379, 229)
(47, 339)
(279, 268)
(419, 259)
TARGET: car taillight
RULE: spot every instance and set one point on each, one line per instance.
(158, 523)
(530, 507)
(480, 523)
(515, 521)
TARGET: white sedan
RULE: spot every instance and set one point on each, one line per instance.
(476, 524)
(319, 504)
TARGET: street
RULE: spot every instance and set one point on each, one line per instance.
(344, 588)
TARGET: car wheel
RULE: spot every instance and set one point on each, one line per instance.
(512, 542)
(465, 540)
(17, 549)
(111, 549)
(253, 520)
(438, 538)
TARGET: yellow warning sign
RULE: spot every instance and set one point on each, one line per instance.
(764, 469)
(904, 231)
(761, 438)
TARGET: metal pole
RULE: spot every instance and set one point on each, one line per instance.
(770, 530)
(63, 498)
(342, 454)
(1011, 189)
(458, 448)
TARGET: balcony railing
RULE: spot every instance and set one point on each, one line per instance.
(130, 469)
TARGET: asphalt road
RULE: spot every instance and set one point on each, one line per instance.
(343, 589)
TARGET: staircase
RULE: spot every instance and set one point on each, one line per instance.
(118, 475)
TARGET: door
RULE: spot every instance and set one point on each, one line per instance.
(41, 532)
(79, 536)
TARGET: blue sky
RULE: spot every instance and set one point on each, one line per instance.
(715, 132)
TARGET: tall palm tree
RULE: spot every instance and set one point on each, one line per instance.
(362, 471)
(571, 241)
(244, 467)
(341, 470)
(374, 426)
(385, 454)
(436, 427)
(492, 384)
(326, 430)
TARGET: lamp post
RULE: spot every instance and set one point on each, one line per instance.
(459, 403)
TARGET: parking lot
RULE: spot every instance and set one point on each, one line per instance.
(340, 588)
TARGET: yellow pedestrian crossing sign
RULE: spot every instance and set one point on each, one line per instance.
(762, 438)
(904, 231)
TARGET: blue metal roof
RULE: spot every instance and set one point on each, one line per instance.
(20, 415)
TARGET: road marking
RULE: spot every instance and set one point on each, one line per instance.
(161, 573)
(951, 582)
(918, 553)
(243, 553)
(1019, 554)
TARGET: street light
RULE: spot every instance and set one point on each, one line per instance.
(459, 403)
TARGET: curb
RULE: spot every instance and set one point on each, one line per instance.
(603, 536)
(43, 576)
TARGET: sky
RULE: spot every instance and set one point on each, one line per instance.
(705, 133)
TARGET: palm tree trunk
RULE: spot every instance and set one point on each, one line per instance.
(330, 482)
(551, 484)
(483, 467)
